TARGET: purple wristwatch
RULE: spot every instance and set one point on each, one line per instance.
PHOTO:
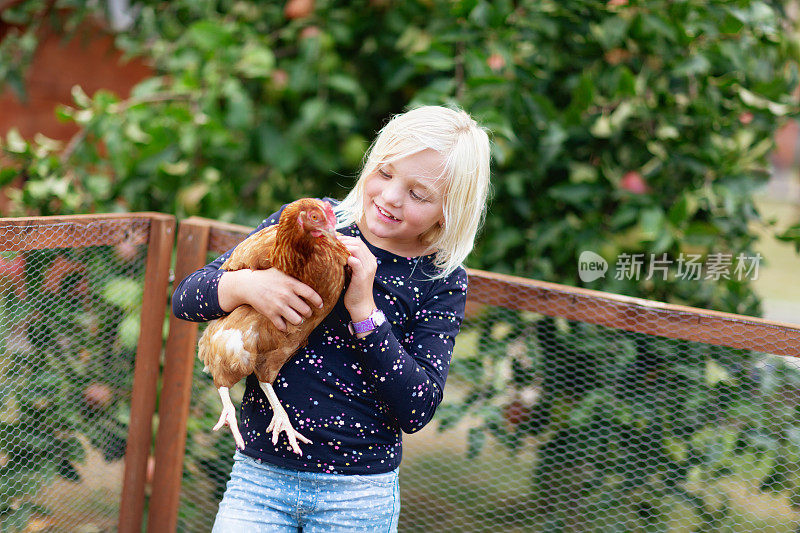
(375, 319)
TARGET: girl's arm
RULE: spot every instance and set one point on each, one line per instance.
(212, 292)
(196, 297)
(410, 373)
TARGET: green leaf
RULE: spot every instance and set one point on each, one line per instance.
(651, 222)
(449, 415)
(696, 64)
(476, 438)
(129, 331)
(123, 292)
(792, 234)
(80, 97)
(610, 32)
(275, 149)
(208, 35)
(15, 143)
(134, 132)
(683, 209)
(413, 40)
(7, 175)
(240, 110)
(576, 194)
(754, 100)
(256, 62)
(583, 173)
(601, 128)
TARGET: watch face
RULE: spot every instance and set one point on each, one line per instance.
(378, 317)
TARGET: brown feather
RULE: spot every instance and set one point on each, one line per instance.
(245, 341)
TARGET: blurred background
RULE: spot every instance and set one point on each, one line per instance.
(228, 109)
(653, 127)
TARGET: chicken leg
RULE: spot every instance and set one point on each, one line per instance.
(280, 420)
(228, 417)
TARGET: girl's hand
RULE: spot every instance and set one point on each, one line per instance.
(276, 295)
(358, 298)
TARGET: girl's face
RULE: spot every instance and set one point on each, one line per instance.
(403, 200)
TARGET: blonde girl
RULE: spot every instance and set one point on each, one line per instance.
(376, 366)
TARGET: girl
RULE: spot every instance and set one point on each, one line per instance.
(376, 366)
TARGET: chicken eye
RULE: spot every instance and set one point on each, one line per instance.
(314, 217)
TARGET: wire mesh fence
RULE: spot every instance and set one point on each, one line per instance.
(557, 425)
(570, 411)
(565, 410)
(71, 294)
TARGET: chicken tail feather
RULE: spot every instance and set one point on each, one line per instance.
(228, 353)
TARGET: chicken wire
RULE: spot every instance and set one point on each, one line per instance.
(552, 424)
(555, 425)
(69, 326)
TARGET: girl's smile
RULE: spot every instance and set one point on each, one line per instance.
(386, 216)
(403, 200)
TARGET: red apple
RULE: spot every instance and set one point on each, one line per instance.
(616, 56)
(496, 62)
(633, 182)
(298, 9)
(280, 78)
(309, 32)
(516, 413)
(98, 395)
(126, 251)
(151, 470)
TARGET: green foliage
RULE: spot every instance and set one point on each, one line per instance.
(65, 367)
(248, 109)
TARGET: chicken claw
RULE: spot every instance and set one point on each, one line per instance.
(228, 417)
(280, 421)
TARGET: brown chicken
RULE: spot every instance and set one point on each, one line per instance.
(303, 244)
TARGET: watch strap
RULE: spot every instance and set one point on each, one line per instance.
(375, 319)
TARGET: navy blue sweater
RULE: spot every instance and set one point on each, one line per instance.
(352, 397)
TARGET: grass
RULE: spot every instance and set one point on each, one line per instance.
(441, 490)
(777, 280)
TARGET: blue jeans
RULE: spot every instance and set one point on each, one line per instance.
(264, 498)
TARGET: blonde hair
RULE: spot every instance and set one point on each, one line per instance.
(464, 147)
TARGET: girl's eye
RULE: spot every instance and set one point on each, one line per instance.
(417, 197)
(384, 174)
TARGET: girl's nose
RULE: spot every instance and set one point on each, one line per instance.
(392, 193)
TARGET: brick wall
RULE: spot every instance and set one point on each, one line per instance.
(89, 59)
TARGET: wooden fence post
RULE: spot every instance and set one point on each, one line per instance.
(176, 388)
(145, 376)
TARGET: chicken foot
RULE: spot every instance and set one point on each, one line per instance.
(280, 420)
(228, 417)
